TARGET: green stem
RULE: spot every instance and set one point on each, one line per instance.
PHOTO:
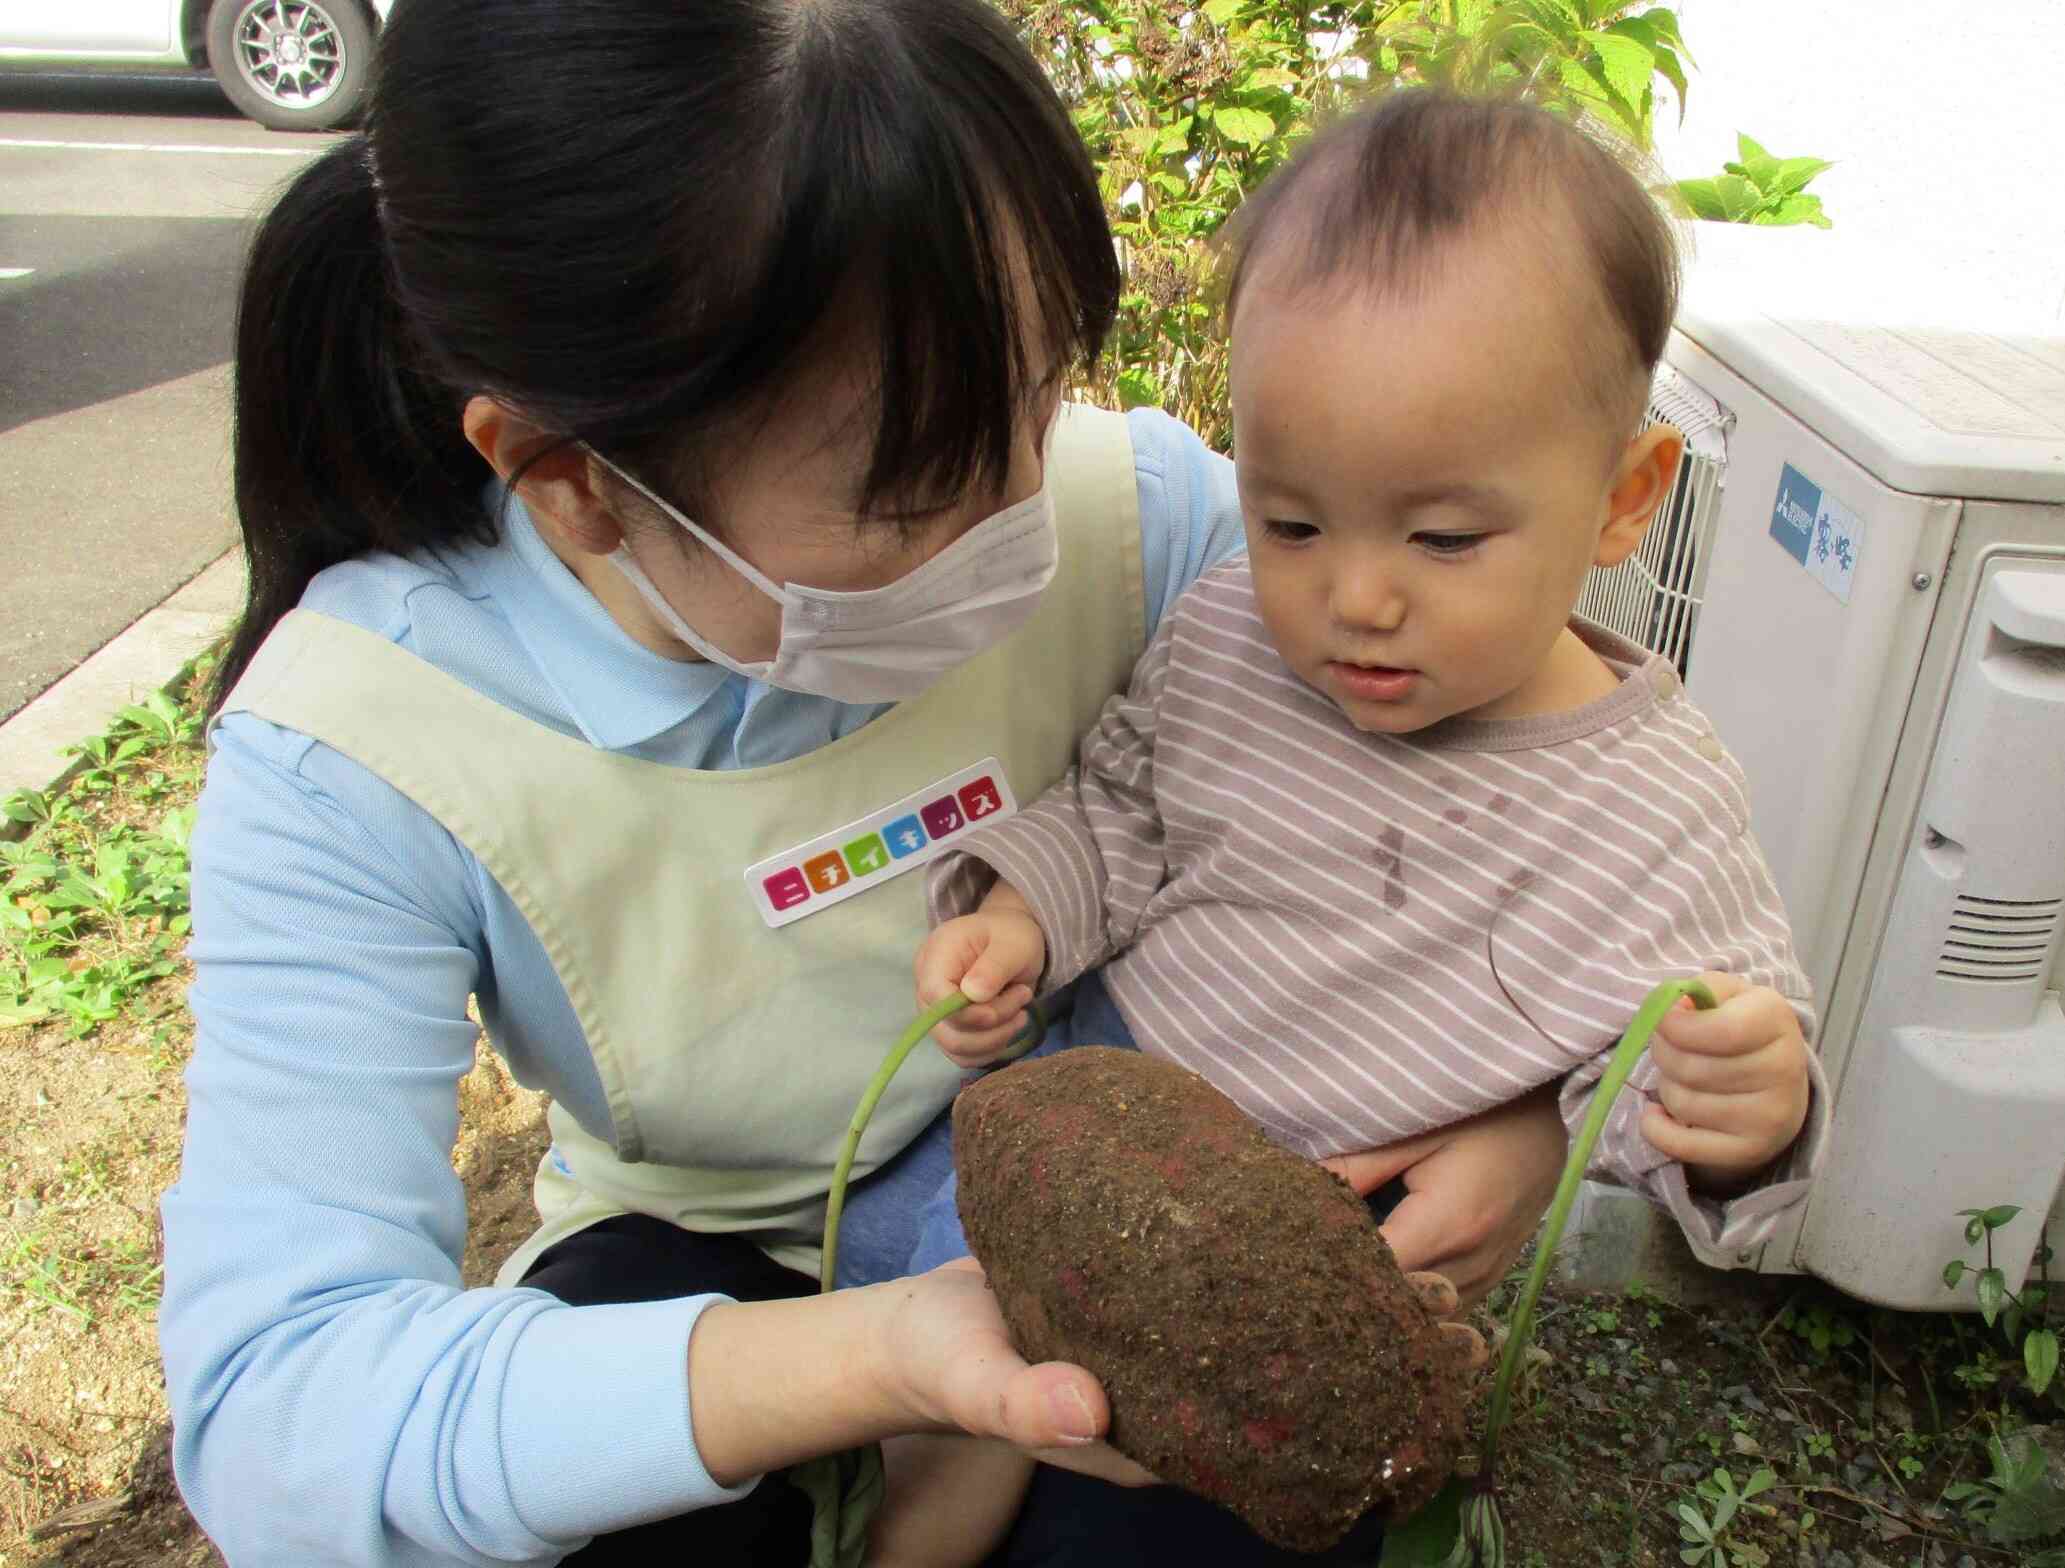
(1618, 1066)
(921, 1026)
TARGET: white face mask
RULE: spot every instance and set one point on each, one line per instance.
(883, 644)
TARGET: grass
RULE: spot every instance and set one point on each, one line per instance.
(1786, 1425)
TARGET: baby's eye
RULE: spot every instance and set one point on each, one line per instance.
(1288, 531)
(1448, 544)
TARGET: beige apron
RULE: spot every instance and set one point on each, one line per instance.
(728, 1117)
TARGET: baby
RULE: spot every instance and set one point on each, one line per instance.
(1382, 836)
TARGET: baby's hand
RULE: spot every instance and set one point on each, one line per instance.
(1734, 1084)
(994, 955)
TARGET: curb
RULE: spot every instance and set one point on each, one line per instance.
(151, 655)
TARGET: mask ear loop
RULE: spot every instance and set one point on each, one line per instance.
(723, 552)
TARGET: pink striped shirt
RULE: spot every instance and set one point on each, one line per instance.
(1364, 937)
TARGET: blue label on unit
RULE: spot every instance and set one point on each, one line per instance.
(1818, 531)
(1794, 511)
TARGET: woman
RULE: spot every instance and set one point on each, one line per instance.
(652, 416)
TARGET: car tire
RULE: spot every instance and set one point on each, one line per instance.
(293, 65)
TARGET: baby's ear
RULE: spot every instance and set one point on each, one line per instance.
(1641, 480)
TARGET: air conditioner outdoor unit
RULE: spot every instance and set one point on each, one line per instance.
(1861, 574)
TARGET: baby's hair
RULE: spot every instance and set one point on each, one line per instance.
(1376, 200)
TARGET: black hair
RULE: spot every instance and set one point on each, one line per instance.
(1378, 197)
(629, 220)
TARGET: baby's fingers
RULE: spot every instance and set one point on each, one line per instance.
(941, 963)
(1006, 1012)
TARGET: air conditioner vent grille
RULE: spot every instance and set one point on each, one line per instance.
(1653, 597)
(1999, 939)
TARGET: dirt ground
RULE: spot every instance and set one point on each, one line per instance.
(94, 1131)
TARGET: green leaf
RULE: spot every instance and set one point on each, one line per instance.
(1271, 76)
(1999, 1215)
(1695, 1526)
(1792, 174)
(1702, 199)
(2040, 1358)
(1739, 198)
(1795, 209)
(1429, 1537)
(1953, 1271)
(1993, 1290)
(1137, 388)
(1627, 64)
(1222, 12)
(19, 1015)
(1643, 29)
(1663, 22)
(1250, 127)
(845, 1491)
(2030, 1508)
(1975, 1228)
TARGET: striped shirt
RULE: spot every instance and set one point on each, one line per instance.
(1363, 937)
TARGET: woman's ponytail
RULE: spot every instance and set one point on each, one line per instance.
(342, 445)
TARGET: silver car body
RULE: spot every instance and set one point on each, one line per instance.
(112, 32)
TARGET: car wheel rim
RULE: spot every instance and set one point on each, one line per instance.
(290, 52)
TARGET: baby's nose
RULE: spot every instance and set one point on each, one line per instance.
(1367, 598)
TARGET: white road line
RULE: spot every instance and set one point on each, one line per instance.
(244, 152)
(7, 273)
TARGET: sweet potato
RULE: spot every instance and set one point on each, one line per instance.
(1258, 1343)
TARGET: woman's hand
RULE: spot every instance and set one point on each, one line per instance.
(774, 1382)
(1475, 1191)
(951, 1364)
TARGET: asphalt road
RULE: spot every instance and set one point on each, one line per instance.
(125, 206)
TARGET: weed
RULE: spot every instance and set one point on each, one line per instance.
(34, 1268)
(94, 899)
(2021, 1317)
(1707, 1528)
(2016, 1502)
(1821, 1327)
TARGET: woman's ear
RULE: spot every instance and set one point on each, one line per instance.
(1641, 480)
(558, 483)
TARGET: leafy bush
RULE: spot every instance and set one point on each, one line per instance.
(1188, 107)
(1757, 188)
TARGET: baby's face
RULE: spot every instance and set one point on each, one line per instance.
(1424, 484)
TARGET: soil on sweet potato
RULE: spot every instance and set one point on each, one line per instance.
(1258, 1343)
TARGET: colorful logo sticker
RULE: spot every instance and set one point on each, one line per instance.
(900, 836)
